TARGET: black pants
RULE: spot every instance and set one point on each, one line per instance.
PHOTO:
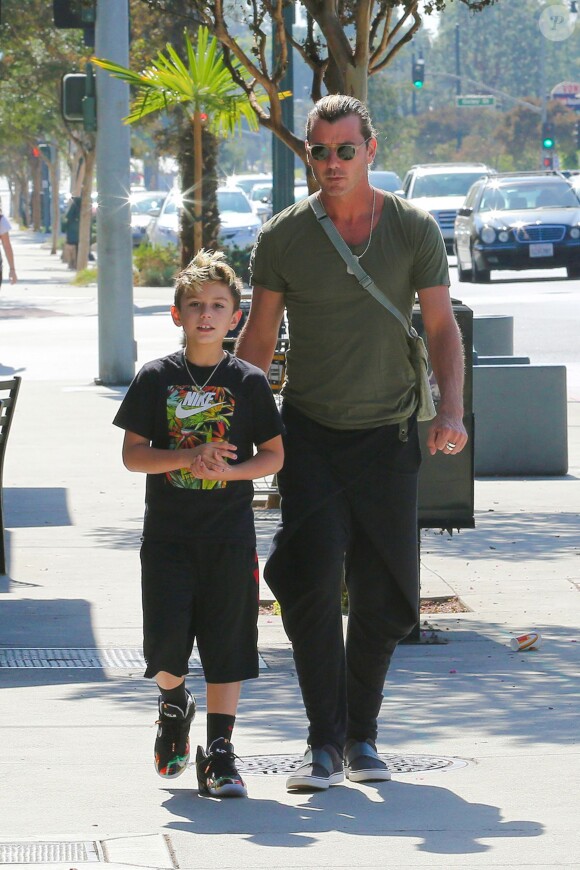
(349, 508)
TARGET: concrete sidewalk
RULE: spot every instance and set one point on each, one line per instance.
(483, 741)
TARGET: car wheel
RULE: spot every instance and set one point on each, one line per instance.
(480, 276)
(573, 271)
(462, 274)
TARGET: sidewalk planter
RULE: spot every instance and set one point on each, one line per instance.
(521, 420)
(493, 335)
(501, 360)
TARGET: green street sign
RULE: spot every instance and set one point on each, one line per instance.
(475, 100)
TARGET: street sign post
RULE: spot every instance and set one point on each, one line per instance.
(465, 100)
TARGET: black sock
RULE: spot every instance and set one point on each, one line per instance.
(219, 725)
(176, 696)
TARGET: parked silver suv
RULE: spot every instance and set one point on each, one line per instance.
(440, 188)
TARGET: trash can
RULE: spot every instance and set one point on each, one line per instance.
(446, 490)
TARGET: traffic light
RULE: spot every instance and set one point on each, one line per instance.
(73, 13)
(418, 72)
(78, 100)
(548, 140)
(69, 14)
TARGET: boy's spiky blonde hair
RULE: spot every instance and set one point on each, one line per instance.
(207, 266)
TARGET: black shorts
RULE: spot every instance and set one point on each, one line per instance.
(203, 591)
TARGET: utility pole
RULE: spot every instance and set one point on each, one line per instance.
(117, 350)
(282, 156)
(458, 83)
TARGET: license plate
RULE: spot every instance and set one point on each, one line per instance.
(543, 249)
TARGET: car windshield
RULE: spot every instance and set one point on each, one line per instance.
(531, 195)
(172, 204)
(385, 180)
(142, 205)
(261, 192)
(231, 200)
(445, 184)
(247, 183)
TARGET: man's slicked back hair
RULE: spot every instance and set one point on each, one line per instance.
(335, 106)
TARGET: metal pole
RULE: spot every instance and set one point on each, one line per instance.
(282, 156)
(543, 95)
(117, 351)
(458, 83)
(414, 94)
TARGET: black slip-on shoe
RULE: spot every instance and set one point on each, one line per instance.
(320, 769)
(362, 762)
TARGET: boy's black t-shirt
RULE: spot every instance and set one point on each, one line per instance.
(164, 406)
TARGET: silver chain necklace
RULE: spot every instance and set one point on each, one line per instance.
(358, 257)
(211, 374)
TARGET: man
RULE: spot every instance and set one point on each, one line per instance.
(349, 482)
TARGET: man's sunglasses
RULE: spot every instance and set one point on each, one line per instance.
(343, 152)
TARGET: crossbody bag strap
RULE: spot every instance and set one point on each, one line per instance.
(352, 262)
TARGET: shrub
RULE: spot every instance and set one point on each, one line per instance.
(239, 260)
(156, 265)
(84, 277)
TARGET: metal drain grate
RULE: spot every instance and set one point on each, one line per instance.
(65, 657)
(47, 853)
(284, 764)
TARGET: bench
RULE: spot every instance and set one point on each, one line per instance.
(8, 395)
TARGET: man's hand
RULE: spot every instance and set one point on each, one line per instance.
(446, 433)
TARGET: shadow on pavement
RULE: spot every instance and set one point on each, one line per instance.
(27, 507)
(47, 624)
(541, 536)
(396, 809)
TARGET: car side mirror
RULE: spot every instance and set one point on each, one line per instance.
(154, 212)
(465, 210)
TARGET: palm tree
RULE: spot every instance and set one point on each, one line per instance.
(204, 87)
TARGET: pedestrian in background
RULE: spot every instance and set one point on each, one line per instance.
(352, 455)
(191, 421)
(5, 228)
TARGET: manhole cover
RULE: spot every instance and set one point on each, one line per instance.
(67, 657)
(47, 853)
(284, 764)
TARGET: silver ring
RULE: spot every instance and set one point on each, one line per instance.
(450, 445)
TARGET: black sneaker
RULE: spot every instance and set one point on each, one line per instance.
(172, 741)
(321, 767)
(363, 764)
(216, 771)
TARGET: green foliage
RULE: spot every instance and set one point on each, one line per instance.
(156, 265)
(239, 260)
(35, 55)
(84, 277)
(204, 85)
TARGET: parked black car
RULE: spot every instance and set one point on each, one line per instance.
(525, 220)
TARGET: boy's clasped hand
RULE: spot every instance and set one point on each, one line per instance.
(210, 462)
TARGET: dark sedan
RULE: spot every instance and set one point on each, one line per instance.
(518, 221)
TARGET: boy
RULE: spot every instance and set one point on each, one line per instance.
(191, 420)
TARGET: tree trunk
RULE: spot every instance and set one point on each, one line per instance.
(36, 185)
(210, 215)
(55, 210)
(86, 211)
(197, 180)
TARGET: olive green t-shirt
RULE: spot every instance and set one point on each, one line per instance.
(348, 362)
